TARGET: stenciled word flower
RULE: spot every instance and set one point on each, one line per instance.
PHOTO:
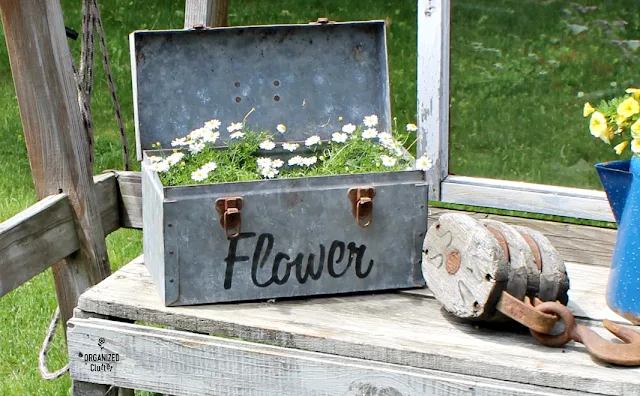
(618, 120)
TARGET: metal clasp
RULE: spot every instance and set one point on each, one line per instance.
(321, 21)
(229, 211)
(362, 204)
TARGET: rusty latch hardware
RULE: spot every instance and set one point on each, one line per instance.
(229, 211)
(321, 21)
(362, 204)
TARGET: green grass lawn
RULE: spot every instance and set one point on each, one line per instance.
(520, 72)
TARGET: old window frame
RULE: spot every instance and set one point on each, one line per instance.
(433, 75)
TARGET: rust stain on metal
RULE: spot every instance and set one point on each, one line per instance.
(526, 314)
(537, 256)
(501, 240)
(453, 262)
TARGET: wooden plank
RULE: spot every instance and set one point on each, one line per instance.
(182, 363)
(212, 13)
(57, 142)
(575, 243)
(106, 189)
(35, 239)
(433, 89)
(527, 197)
(396, 328)
(130, 199)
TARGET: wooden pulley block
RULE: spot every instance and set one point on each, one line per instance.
(553, 278)
(468, 263)
(465, 266)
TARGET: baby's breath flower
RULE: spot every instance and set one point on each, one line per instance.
(277, 163)
(281, 128)
(267, 145)
(369, 133)
(212, 125)
(179, 142)
(349, 128)
(160, 166)
(236, 135)
(209, 167)
(370, 121)
(312, 140)
(199, 175)
(309, 160)
(339, 137)
(269, 173)
(174, 158)
(210, 136)
(264, 162)
(297, 160)
(234, 127)
(411, 127)
(290, 146)
(424, 163)
(196, 147)
(388, 161)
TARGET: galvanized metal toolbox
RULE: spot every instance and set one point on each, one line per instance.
(299, 237)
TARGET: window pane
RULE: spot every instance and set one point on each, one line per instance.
(521, 71)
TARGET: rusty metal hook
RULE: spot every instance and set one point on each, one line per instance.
(627, 354)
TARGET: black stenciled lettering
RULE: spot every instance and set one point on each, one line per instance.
(309, 271)
(331, 260)
(276, 268)
(232, 257)
(359, 252)
(265, 257)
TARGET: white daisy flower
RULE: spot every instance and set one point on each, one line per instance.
(196, 147)
(235, 126)
(174, 158)
(290, 146)
(210, 136)
(179, 142)
(236, 135)
(264, 162)
(267, 145)
(297, 160)
(199, 175)
(197, 133)
(424, 163)
(339, 137)
(349, 128)
(412, 127)
(281, 128)
(370, 121)
(397, 148)
(155, 158)
(277, 163)
(309, 160)
(388, 161)
(269, 173)
(160, 166)
(212, 125)
(369, 133)
(209, 167)
(315, 139)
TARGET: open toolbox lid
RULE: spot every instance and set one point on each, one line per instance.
(303, 76)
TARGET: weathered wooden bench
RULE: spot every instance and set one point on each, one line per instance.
(392, 343)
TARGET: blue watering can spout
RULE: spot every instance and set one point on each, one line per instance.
(616, 181)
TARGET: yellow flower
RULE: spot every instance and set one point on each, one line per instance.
(629, 107)
(635, 146)
(620, 119)
(620, 147)
(598, 125)
(634, 91)
(588, 109)
(635, 130)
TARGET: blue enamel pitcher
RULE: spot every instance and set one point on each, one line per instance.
(621, 182)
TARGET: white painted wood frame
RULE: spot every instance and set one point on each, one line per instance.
(434, 30)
